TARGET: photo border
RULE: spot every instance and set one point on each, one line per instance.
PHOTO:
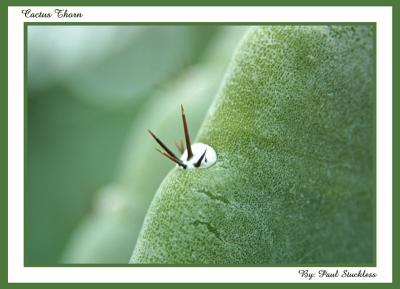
(4, 138)
(373, 141)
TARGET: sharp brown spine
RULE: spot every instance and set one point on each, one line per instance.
(187, 137)
(198, 163)
(163, 145)
(177, 161)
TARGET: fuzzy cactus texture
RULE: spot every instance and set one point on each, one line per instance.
(292, 126)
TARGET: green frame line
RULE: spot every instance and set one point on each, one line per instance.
(202, 3)
(195, 23)
(4, 137)
(373, 101)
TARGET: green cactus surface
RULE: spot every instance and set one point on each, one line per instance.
(292, 126)
(108, 234)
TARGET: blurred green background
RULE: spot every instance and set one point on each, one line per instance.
(91, 168)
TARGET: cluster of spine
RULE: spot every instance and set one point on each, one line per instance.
(181, 147)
